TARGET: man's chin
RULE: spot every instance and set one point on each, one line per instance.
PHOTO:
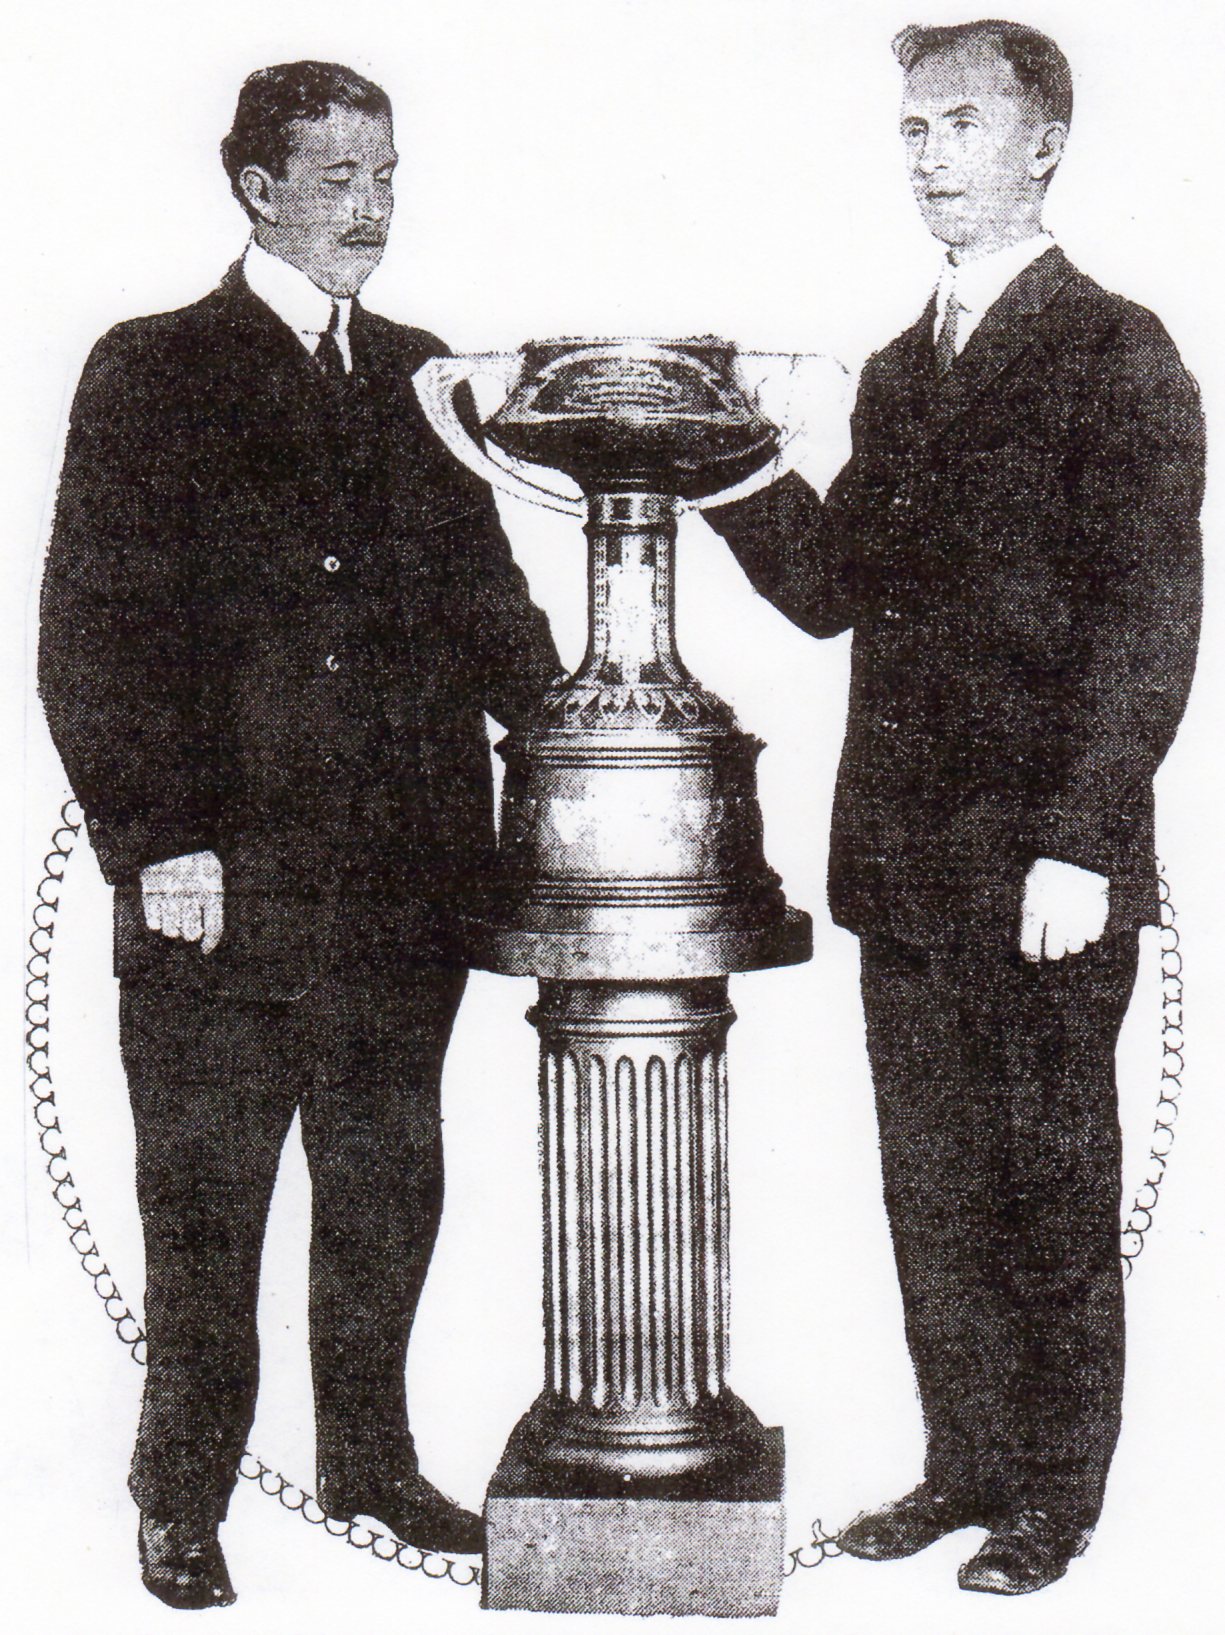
(345, 277)
(944, 218)
(949, 228)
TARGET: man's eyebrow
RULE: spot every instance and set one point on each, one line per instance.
(964, 108)
(352, 164)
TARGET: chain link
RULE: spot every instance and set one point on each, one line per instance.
(822, 1546)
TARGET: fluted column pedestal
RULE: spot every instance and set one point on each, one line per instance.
(636, 1454)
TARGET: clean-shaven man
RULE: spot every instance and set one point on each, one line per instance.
(275, 610)
(1015, 544)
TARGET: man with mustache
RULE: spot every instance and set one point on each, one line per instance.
(275, 610)
(1015, 544)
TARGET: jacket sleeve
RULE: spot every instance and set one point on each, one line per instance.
(1136, 485)
(508, 647)
(811, 557)
(118, 654)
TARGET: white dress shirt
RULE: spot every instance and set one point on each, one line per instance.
(296, 301)
(979, 284)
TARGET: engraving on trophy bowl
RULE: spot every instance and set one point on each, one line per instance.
(665, 416)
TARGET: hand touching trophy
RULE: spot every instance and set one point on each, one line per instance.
(631, 881)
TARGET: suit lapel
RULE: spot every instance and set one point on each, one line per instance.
(910, 371)
(280, 355)
(264, 346)
(1005, 331)
(370, 365)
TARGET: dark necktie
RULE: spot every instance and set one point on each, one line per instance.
(946, 338)
(328, 354)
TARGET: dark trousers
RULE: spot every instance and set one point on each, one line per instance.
(214, 1083)
(1000, 1145)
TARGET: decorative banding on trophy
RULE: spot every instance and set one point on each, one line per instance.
(631, 880)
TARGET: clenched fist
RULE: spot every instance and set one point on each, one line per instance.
(183, 897)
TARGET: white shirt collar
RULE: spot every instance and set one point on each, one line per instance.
(980, 283)
(295, 300)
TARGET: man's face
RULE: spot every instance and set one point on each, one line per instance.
(976, 148)
(330, 212)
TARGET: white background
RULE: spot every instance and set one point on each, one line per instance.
(618, 166)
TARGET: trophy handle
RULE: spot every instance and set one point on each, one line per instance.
(435, 384)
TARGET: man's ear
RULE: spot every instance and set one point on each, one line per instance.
(1048, 151)
(256, 185)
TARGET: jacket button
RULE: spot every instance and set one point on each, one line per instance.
(332, 662)
(331, 563)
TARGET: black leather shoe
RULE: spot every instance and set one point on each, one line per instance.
(906, 1526)
(1026, 1553)
(182, 1564)
(416, 1513)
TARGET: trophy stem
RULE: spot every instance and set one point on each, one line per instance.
(632, 592)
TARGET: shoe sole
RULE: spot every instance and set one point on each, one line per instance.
(1008, 1587)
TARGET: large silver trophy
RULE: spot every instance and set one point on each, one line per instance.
(631, 881)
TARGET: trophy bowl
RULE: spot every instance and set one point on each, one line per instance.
(662, 416)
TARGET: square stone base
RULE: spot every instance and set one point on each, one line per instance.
(721, 1558)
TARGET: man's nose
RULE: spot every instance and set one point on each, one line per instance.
(929, 158)
(932, 154)
(369, 205)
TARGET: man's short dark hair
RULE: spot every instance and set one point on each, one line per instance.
(1039, 65)
(272, 98)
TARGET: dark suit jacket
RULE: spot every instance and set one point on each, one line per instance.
(273, 614)
(1016, 546)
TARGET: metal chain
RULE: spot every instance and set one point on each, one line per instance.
(821, 1547)
(382, 1546)
(1145, 1201)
